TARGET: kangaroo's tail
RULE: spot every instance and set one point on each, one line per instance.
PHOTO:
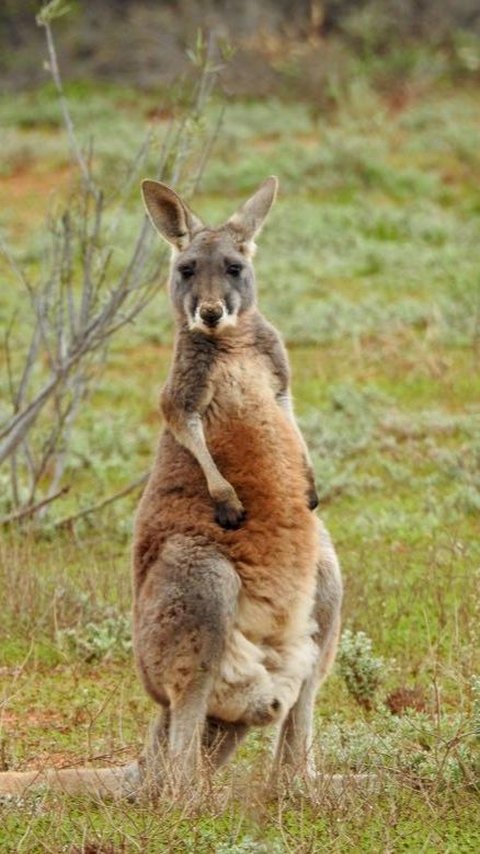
(98, 782)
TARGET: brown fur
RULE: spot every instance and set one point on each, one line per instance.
(256, 449)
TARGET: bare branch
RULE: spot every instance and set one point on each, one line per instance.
(68, 421)
(14, 266)
(67, 118)
(208, 150)
(30, 511)
(136, 484)
(14, 480)
(8, 359)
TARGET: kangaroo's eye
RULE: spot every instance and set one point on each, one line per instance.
(186, 271)
(234, 270)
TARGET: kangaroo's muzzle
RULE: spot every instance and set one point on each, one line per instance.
(211, 313)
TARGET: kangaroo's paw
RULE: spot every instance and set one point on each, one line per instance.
(229, 514)
(312, 496)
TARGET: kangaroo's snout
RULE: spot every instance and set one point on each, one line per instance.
(211, 313)
(210, 316)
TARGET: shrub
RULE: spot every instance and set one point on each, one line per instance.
(360, 669)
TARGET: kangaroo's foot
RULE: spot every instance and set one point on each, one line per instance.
(220, 740)
(152, 775)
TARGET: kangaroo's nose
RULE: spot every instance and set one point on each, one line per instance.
(211, 314)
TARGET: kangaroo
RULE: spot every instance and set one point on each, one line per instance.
(237, 589)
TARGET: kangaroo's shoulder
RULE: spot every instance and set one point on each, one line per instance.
(268, 342)
(187, 383)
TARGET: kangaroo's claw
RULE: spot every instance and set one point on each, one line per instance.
(229, 516)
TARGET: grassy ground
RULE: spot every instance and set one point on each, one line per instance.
(369, 266)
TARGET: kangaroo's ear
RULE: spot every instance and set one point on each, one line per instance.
(172, 218)
(247, 222)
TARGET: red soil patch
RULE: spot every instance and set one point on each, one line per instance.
(10, 721)
(54, 759)
(26, 194)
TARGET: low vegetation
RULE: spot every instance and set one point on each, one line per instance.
(370, 267)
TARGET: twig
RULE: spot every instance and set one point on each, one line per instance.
(30, 511)
(208, 150)
(14, 479)
(67, 520)
(66, 425)
(55, 72)
(14, 266)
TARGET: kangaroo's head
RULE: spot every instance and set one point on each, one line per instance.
(212, 282)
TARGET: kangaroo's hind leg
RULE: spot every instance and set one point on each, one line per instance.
(294, 744)
(221, 739)
(183, 613)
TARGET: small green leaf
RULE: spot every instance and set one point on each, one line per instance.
(51, 11)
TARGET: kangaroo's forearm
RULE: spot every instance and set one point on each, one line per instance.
(188, 431)
(183, 417)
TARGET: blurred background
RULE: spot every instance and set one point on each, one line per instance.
(369, 113)
(302, 49)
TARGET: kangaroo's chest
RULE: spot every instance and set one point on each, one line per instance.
(250, 436)
(242, 385)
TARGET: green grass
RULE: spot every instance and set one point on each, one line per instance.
(369, 266)
(379, 825)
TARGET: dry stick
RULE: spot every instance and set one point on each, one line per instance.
(65, 422)
(35, 340)
(105, 502)
(208, 150)
(140, 158)
(29, 511)
(8, 357)
(75, 148)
